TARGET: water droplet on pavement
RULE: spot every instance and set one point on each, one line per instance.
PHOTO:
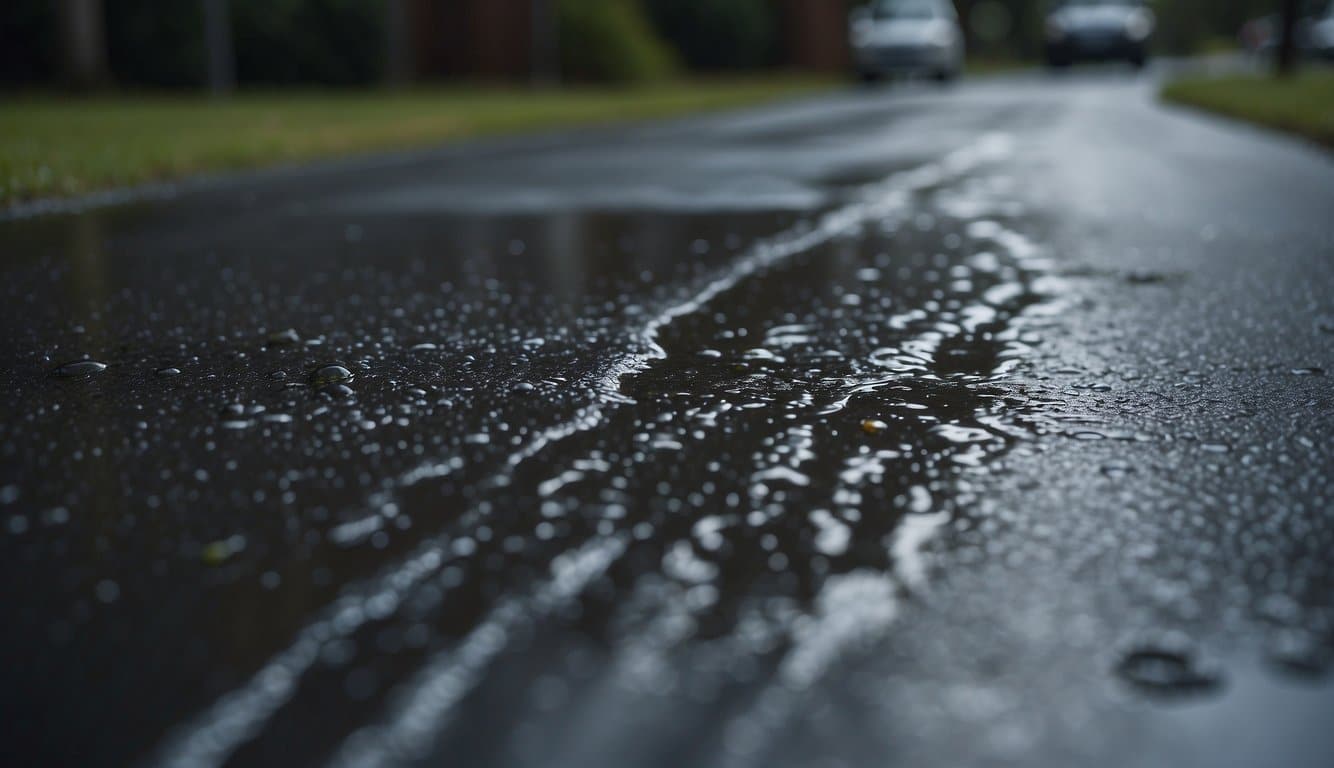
(1168, 670)
(80, 369)
(1299, 653)
(330, 374)
(337, 391)
(1117, 469)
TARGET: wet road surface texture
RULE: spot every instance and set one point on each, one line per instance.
(985, 426)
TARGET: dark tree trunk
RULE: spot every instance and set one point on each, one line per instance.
(218, 47)
(400, 66)
(1286, 51)
(83, 43)
(965, 10)
(546, 43)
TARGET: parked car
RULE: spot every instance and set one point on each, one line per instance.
(1099, 30)
(891, 37)
(1314, 32)
(1320, 35)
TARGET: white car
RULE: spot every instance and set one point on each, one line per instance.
(907, 37)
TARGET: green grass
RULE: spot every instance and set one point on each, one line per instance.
(52, 146)
(1303, 105)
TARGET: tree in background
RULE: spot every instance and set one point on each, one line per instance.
(220, 53)
(274, 42)
(610, 41)
(546, 43)
(719, 34)
(157, 45)
(330, 42)
(1286, 53)
(163, 43)
(398, 63)
(83, 42)
(1002, 29)
(29, 43)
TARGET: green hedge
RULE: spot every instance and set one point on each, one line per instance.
(156, 44)
(332, 42)
(610, 41)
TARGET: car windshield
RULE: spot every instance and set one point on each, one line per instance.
(905, 9)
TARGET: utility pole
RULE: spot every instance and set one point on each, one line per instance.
(545, 50)
(83, 42)
(398, 64)
(218, 46)
(1286, 63)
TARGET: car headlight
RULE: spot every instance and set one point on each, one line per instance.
(1055, 30)
(1139, 26)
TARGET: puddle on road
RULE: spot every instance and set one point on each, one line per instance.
(665, 475)
(729, 488)
(1222, 730)
(558, 469)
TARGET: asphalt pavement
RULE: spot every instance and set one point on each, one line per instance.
(984, 425)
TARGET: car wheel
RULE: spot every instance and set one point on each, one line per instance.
(868, 77)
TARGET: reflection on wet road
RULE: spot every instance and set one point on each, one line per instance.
(821, 433)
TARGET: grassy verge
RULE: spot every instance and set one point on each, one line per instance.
(56, 147)
(1303, 105)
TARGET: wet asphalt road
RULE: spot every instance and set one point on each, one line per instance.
(987, 426)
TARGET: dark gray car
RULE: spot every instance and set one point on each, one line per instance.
(1099, 30)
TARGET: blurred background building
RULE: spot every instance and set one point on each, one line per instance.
(186, 43)
(198, 43)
